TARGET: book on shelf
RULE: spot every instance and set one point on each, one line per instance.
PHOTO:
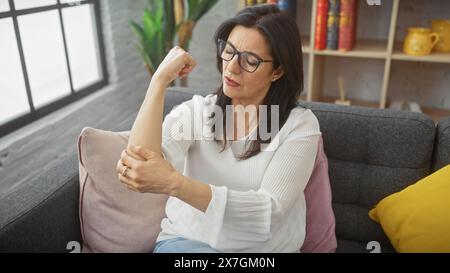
(285, 5)
(321, 25)
(347, 24)
(333, 24)
(289, 6)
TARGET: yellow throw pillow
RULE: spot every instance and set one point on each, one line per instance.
(417, 219)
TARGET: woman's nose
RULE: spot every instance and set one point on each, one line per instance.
(233, 65)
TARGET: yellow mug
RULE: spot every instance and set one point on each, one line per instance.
(420, 41)
(442, 27)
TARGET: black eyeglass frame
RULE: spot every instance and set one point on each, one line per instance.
(239, 53)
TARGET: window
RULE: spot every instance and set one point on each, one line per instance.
(51, 54)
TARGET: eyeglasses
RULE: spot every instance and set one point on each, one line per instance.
(247, 60)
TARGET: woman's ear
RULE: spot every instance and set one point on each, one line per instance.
(277, 73)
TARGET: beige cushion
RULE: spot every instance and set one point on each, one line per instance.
(113, 218)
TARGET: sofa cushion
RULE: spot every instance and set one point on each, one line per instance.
(370, 156)
(113, 218)
(42, 214)
(320, 222)
(416, 219)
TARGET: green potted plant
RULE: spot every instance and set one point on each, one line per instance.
(157, 33)
(161, 22)
(193, 11)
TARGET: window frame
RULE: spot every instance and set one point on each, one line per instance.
(36, 114)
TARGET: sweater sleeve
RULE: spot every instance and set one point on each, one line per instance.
(249, 218)
(179, 129)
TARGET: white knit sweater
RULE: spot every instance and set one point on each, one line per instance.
(257, 204)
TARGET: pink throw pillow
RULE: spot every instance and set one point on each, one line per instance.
(320, 222)
(113, 218)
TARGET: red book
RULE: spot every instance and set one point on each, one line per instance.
(275, 2)
(320, 39)
(347, 24)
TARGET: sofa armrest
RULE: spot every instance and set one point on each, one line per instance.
(42, 215)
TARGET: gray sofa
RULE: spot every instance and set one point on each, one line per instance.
(372, 153)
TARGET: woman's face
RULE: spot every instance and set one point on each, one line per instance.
(248, 88)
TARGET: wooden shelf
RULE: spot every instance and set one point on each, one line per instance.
(435, 113)
(306, 48)
(303, 97)
(374, 49)
(434, 57)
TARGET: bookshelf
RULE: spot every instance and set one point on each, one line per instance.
(379, 53)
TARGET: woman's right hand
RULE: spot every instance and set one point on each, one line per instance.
(177, 63)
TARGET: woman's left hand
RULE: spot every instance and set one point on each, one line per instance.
(154, 174)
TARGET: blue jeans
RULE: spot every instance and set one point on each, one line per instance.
(183, 245)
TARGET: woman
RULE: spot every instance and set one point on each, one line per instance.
(230, 194)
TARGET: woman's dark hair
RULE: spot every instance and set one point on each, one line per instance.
(282, 34)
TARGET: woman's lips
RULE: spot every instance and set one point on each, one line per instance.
(230, 82)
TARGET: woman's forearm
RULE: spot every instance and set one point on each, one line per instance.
(147, 128)
(191, 191)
